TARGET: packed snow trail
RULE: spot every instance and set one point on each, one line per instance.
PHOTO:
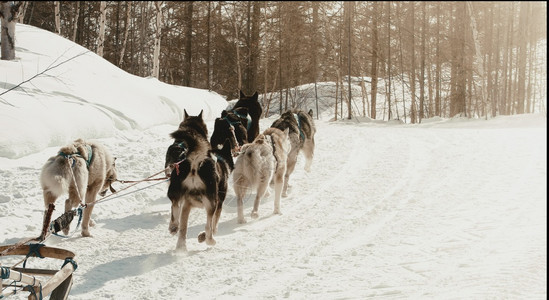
(388, 211)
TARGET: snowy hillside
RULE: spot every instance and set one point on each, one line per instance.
(446, 209)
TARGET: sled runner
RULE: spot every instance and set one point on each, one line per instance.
(38, 282)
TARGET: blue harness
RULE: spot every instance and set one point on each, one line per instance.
(78, 154)
(247, 116)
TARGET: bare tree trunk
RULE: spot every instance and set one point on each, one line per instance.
(337, 95)
(237, 47)
(75, 21)
(478, 61)
(510, 82)
(374, 61)
(422, 72)
(57, 9)
(8, 14)
(187, 65)
(489, 58)
(349, 7)
(438, 79)
(157, 36)
(101, 36)
(22, 11)
(254, 49)
(315, 50)
(389, 65)
(401, 62)
(413, 111)
(126, 32)
(531, 65)
(458, 86)
(208, 48)
(522, 54)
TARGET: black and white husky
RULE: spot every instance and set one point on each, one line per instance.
(257, 164)
(195, 178)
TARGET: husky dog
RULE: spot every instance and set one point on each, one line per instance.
(230, 126)
(254, 113)
(259, 163)
(223, 167)
(193, 179)
(82, 169)
(302, 132)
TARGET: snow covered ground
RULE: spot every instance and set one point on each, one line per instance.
(446, 209)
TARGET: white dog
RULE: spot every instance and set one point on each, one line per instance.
(82, 170)
(257, 164)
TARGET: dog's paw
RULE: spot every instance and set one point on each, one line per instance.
(277, 212)
(86, 233)
(181, 247)
(210, 242)
(66, 231)
(202, 237)
(254, 215)
(241, 221)
(173, 229)
(92, 223)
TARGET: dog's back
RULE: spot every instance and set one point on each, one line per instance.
(254, 164)
(190, 143)
(254, 110)
(56, 175)
(229, 126)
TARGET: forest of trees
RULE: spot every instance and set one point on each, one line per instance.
(458, 58)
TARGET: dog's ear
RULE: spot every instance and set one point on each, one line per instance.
(310, 112)
(224, 113)
(255, 95)
(242, 95)
(186, 115)
(200, 114)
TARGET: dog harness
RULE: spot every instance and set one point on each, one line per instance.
(78, 154)
(247, 116)
(274, 149)
(296, 116)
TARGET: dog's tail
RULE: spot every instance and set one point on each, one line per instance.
(56, 177)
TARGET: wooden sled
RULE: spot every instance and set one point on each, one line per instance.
(40, 283)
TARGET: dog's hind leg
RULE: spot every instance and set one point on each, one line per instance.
(182, 233)
(240, 190)
(261, 188)
(278, 185)
(309, 153)
(292, 159)
(207, 235)
(222, 193)
(91, 195)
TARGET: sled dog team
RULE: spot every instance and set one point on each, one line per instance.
(198, 169)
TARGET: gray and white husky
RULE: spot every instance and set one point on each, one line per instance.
(257, 164)
(302, 136)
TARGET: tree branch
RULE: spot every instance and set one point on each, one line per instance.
(49, 68)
